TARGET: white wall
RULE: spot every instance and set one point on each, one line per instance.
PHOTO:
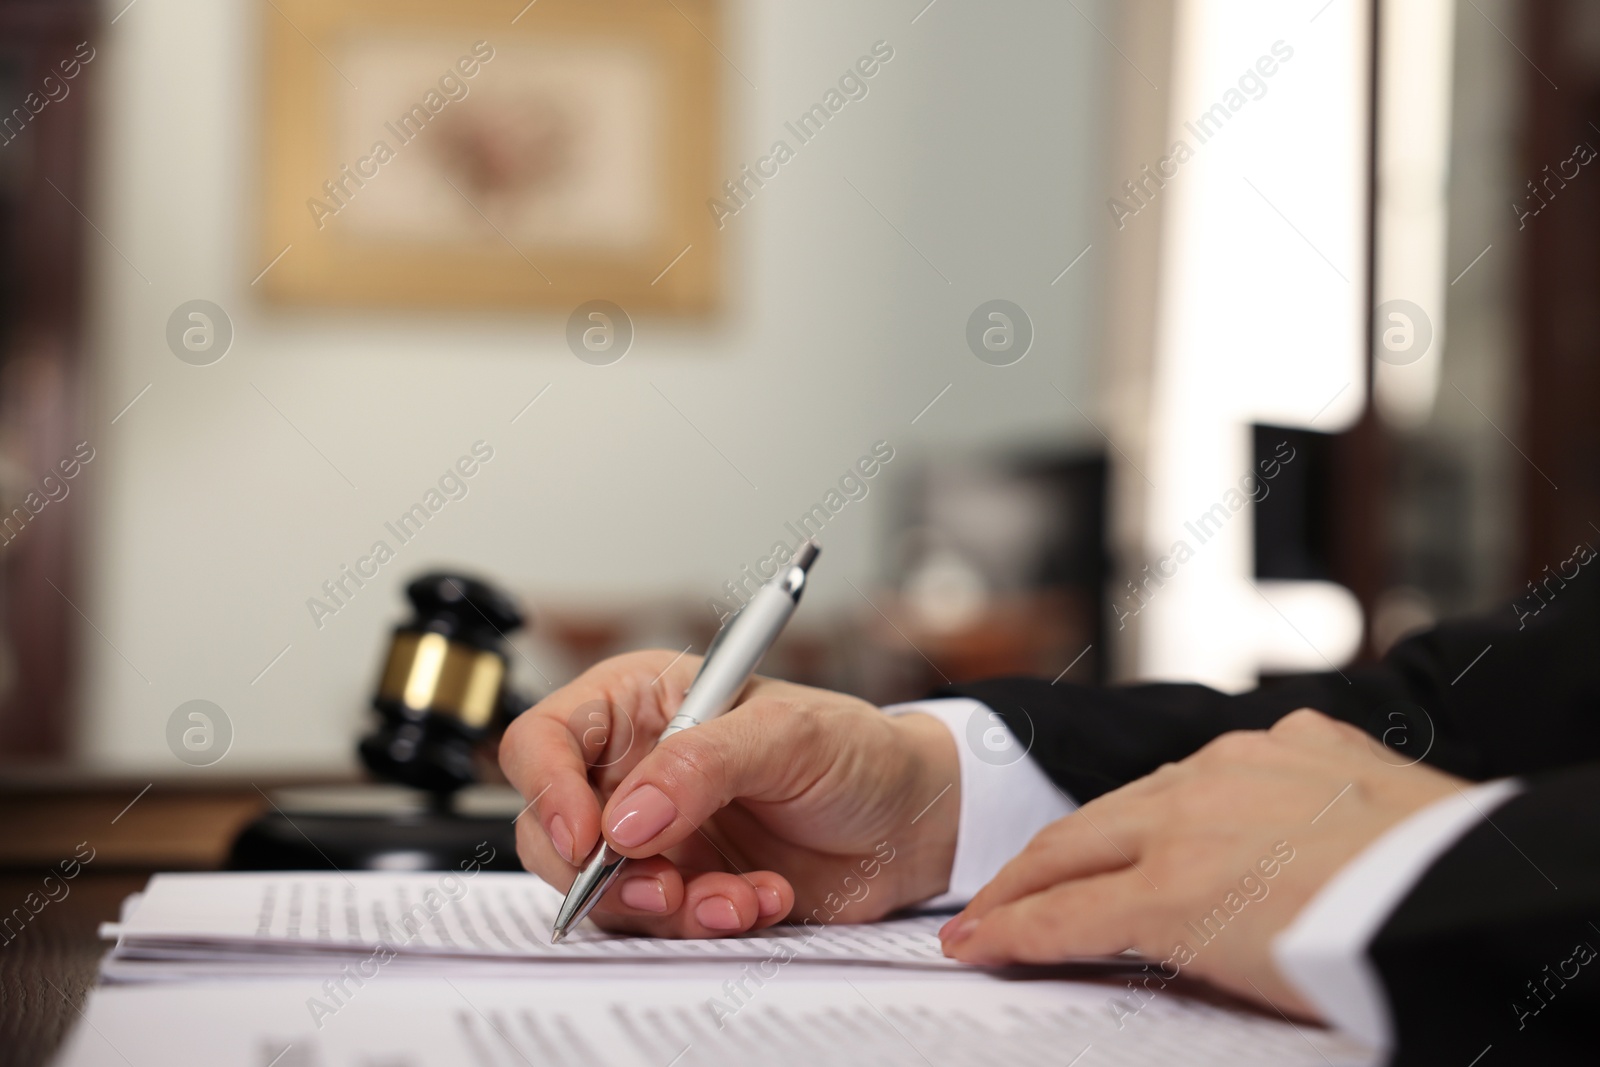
(215, 520)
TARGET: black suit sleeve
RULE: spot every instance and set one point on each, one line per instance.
(1495, 948)
(1512, 693)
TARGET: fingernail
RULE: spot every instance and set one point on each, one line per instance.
(977, 955)
(718, 913)
(644, 894)
(645, 813)
(768, 902)
(561, 837)
(956, 930)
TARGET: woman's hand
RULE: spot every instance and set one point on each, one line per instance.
(1199, 865)
(797, 803)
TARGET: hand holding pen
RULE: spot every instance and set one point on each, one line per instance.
(784, 807)
(739, 647)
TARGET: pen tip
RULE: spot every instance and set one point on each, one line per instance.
(556, 935)
(807, 555)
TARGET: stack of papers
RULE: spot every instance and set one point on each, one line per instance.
(194, 926)
(303, 969)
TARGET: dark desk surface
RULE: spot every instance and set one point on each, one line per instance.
(47, 969)
(48, 962)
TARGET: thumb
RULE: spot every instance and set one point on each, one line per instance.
(762, 750)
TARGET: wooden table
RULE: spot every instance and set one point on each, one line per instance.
(49, 962)
(47, 969)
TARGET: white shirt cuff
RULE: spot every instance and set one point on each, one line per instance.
(1323, 952)
(1005, 797)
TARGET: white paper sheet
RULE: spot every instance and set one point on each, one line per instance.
(690, 1022)
(237, 918)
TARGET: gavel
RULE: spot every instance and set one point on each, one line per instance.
(443, 687)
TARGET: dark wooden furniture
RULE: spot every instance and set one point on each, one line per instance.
(1559, 431)
(44, 384)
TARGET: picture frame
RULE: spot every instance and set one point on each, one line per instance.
(490, 154)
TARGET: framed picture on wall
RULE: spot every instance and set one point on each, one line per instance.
(488, 153)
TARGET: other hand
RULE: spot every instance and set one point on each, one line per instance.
(1202, 863)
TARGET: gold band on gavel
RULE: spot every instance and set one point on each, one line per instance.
(429, 672)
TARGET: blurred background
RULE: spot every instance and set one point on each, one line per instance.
(1098, 341)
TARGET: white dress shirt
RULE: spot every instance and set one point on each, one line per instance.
(1006, 799)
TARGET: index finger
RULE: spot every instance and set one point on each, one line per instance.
(598, 726)
(1101, 838)
(1098, 916)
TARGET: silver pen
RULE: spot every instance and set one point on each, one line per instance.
(734, 654)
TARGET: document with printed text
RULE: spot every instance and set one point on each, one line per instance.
(303, 969)
(226, 923)
(687, 1022)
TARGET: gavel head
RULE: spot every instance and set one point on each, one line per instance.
(443, 686)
